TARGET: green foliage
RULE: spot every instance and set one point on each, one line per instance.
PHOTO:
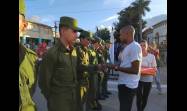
(132, 15)
(103, 34)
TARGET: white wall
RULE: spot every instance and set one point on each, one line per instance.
(162, 30)
(150, 36)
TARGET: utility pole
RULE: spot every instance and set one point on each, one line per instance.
(55, 26)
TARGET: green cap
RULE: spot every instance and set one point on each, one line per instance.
(108, 41)
(69, 22)
(97, 39)
(102, 42)
(22, 7)
(86, 34)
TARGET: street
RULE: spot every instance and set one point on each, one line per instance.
(156, 102)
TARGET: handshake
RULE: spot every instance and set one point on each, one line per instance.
(106, 67)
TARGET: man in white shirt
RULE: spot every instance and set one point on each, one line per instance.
(129, 69)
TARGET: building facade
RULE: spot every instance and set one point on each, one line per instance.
(158, 33)
(37, 33)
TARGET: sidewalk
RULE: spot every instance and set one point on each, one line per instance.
(156, 102)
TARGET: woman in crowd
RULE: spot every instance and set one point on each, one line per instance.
(147, 72)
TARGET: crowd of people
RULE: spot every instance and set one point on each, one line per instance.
(73, 73)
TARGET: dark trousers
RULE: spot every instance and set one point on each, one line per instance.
(143, 91)
(100, 82)
(126, 96)
(104, 84)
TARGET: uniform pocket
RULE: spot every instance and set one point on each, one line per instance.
(63, 75)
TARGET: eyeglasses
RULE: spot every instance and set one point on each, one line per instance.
(74, 31)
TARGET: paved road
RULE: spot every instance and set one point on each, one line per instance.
(156, 102)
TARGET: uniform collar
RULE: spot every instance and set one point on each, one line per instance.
(63, 48)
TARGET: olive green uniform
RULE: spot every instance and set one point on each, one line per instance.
(83, 76)
(27, 72)
(58, 78)
(105, 78)
(92, 95)
(101, 60)
(27, 78)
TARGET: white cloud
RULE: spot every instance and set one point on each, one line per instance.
(35, 18)
(104, 26)
(109, 28)
(110, 18)
(46, 19)
(101, 27)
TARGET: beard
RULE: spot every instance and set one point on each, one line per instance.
(123, 41)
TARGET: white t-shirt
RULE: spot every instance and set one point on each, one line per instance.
(129, 54)
(148, 61)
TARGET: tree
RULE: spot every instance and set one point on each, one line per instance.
(103, 34)
(130, 16)
(142, 6)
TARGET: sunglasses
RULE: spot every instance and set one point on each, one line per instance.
(74, 31)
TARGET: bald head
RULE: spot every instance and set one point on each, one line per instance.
(127, 33)
(129, 29)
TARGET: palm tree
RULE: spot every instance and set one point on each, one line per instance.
(103, 33)
(141, 6)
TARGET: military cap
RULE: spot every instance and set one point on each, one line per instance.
(92, 40)
(22, 7)
(86, 34)
(70, 23)
(97, 39)
(102, 42)
(108, 41)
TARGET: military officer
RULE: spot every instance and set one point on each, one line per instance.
(105, 53)
(83, 59)
(58, 78)
(107, 46)
(93, 92)
(27, 67)
(58, 71)
(101, 60)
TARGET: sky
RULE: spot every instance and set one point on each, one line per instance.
(89, 13)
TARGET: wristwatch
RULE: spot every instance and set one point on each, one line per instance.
(116, 68)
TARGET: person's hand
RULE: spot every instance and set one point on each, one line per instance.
(102, 67)
(108, 66)
(111, 66)
(99, 66)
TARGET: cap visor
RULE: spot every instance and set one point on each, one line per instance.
(78, 29)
